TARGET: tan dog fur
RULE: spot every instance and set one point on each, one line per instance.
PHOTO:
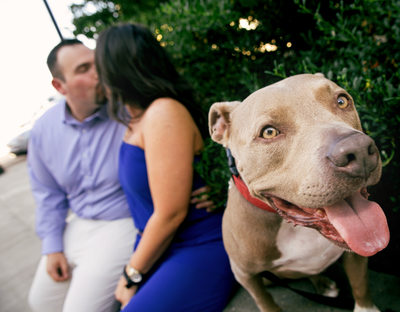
(288, 141)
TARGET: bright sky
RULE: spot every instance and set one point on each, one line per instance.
(28, 35)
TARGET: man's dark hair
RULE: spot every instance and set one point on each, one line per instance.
(52, 58)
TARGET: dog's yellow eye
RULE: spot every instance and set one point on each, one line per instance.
(269, 132)
(342, 102)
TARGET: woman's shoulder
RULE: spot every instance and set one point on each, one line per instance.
(166, 109)
(170, 118)
(165, 103)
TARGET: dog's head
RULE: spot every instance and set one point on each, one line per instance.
(298, 145)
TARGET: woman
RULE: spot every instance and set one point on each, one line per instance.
(179, 262)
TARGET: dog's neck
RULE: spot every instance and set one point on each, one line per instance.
(241, 186)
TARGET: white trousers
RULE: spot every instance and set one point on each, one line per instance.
(97, 252)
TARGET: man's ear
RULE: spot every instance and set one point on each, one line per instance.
(58, 85)
(219, 121)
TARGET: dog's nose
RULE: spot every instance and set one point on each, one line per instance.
(356, 155)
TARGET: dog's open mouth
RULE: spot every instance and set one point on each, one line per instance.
(354, 223)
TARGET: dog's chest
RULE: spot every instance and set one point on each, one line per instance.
(304, 250)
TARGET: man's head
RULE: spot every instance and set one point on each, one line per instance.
(74, 75)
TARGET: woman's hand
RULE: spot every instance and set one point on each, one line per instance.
(201, 199)
(123, 294)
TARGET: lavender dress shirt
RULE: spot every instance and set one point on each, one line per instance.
(74, 165)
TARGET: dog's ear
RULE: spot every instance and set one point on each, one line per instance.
(219, 120)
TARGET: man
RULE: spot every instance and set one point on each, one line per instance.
(82, 216)
(73, 161)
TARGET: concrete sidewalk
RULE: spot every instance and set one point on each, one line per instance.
(19, 245)
(20, 253)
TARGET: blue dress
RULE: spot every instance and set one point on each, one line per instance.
(194, 273)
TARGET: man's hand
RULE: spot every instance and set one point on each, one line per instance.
(57, 266)
(201, 199)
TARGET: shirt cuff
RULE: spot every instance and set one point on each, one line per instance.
(52, 244)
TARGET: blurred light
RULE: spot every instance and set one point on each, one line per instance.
(248, 23)
(90, 43)
(268, 47)
(159, 37)
(289, 44)
(89, 8)
(380, 39)
(232, 24)
(166, 27)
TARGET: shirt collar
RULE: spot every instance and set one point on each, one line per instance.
(100, 114)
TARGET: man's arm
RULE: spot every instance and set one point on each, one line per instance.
(51, 211)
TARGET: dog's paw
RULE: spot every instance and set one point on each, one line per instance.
(324, 286)
(332, 292)
(373, 308)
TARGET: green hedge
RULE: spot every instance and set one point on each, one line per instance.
(227, 49)
(360, 50)
(354, 43)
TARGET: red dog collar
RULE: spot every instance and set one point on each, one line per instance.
(242, 188)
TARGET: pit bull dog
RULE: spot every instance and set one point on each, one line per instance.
(302, 158)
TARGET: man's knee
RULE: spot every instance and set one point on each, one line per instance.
(40, 301)
(46, 294)
(36, 302)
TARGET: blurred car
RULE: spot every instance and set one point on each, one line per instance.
(19, 144)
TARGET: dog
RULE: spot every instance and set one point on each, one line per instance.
(301, 157)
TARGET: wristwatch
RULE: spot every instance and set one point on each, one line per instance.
(133, 277)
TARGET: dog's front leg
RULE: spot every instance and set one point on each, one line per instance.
(254, 284)
(356, 268)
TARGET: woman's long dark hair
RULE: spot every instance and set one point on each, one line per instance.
(137, 71)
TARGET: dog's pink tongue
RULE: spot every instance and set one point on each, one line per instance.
(361, 223)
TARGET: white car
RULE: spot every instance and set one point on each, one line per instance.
(19, 144)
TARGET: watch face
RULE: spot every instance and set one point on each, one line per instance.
(134, 275)
(137, 278)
